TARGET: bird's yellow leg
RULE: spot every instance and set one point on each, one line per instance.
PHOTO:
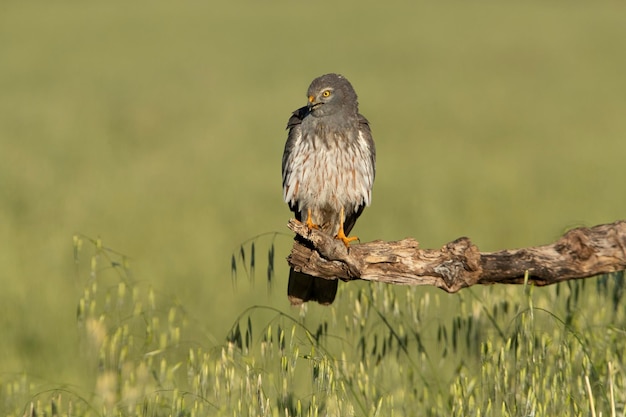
(341, 235)
(309, 222)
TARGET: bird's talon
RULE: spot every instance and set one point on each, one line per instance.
(345, 239)
(309, 222)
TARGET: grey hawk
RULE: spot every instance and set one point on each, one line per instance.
(328, 172)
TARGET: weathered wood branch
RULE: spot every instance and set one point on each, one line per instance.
(580, 253)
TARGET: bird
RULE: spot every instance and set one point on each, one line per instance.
(328, 170)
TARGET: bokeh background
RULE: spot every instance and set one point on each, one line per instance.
(159, 127)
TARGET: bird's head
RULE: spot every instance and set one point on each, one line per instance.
(331, 94)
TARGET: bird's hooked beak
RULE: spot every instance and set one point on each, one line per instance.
(313, 102)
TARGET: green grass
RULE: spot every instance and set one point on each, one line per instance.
(159, 127)
(536, 352)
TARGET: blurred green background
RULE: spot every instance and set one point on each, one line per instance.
(159, 127)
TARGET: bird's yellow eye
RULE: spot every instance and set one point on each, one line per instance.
(326, 93)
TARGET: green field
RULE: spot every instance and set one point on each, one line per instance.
(158, 127)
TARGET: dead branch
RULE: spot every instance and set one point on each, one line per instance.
(580, 253)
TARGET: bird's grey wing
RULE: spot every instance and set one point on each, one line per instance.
(294, 135)
(370, 166)
(366, 133)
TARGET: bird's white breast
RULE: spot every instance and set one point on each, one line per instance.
(331, 173)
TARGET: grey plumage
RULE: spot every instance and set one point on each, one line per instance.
(328, 166)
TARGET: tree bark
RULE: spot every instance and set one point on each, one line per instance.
(580, 253)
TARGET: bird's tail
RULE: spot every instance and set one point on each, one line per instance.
(303, 287)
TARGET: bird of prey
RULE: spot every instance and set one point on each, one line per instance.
(328, 172)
